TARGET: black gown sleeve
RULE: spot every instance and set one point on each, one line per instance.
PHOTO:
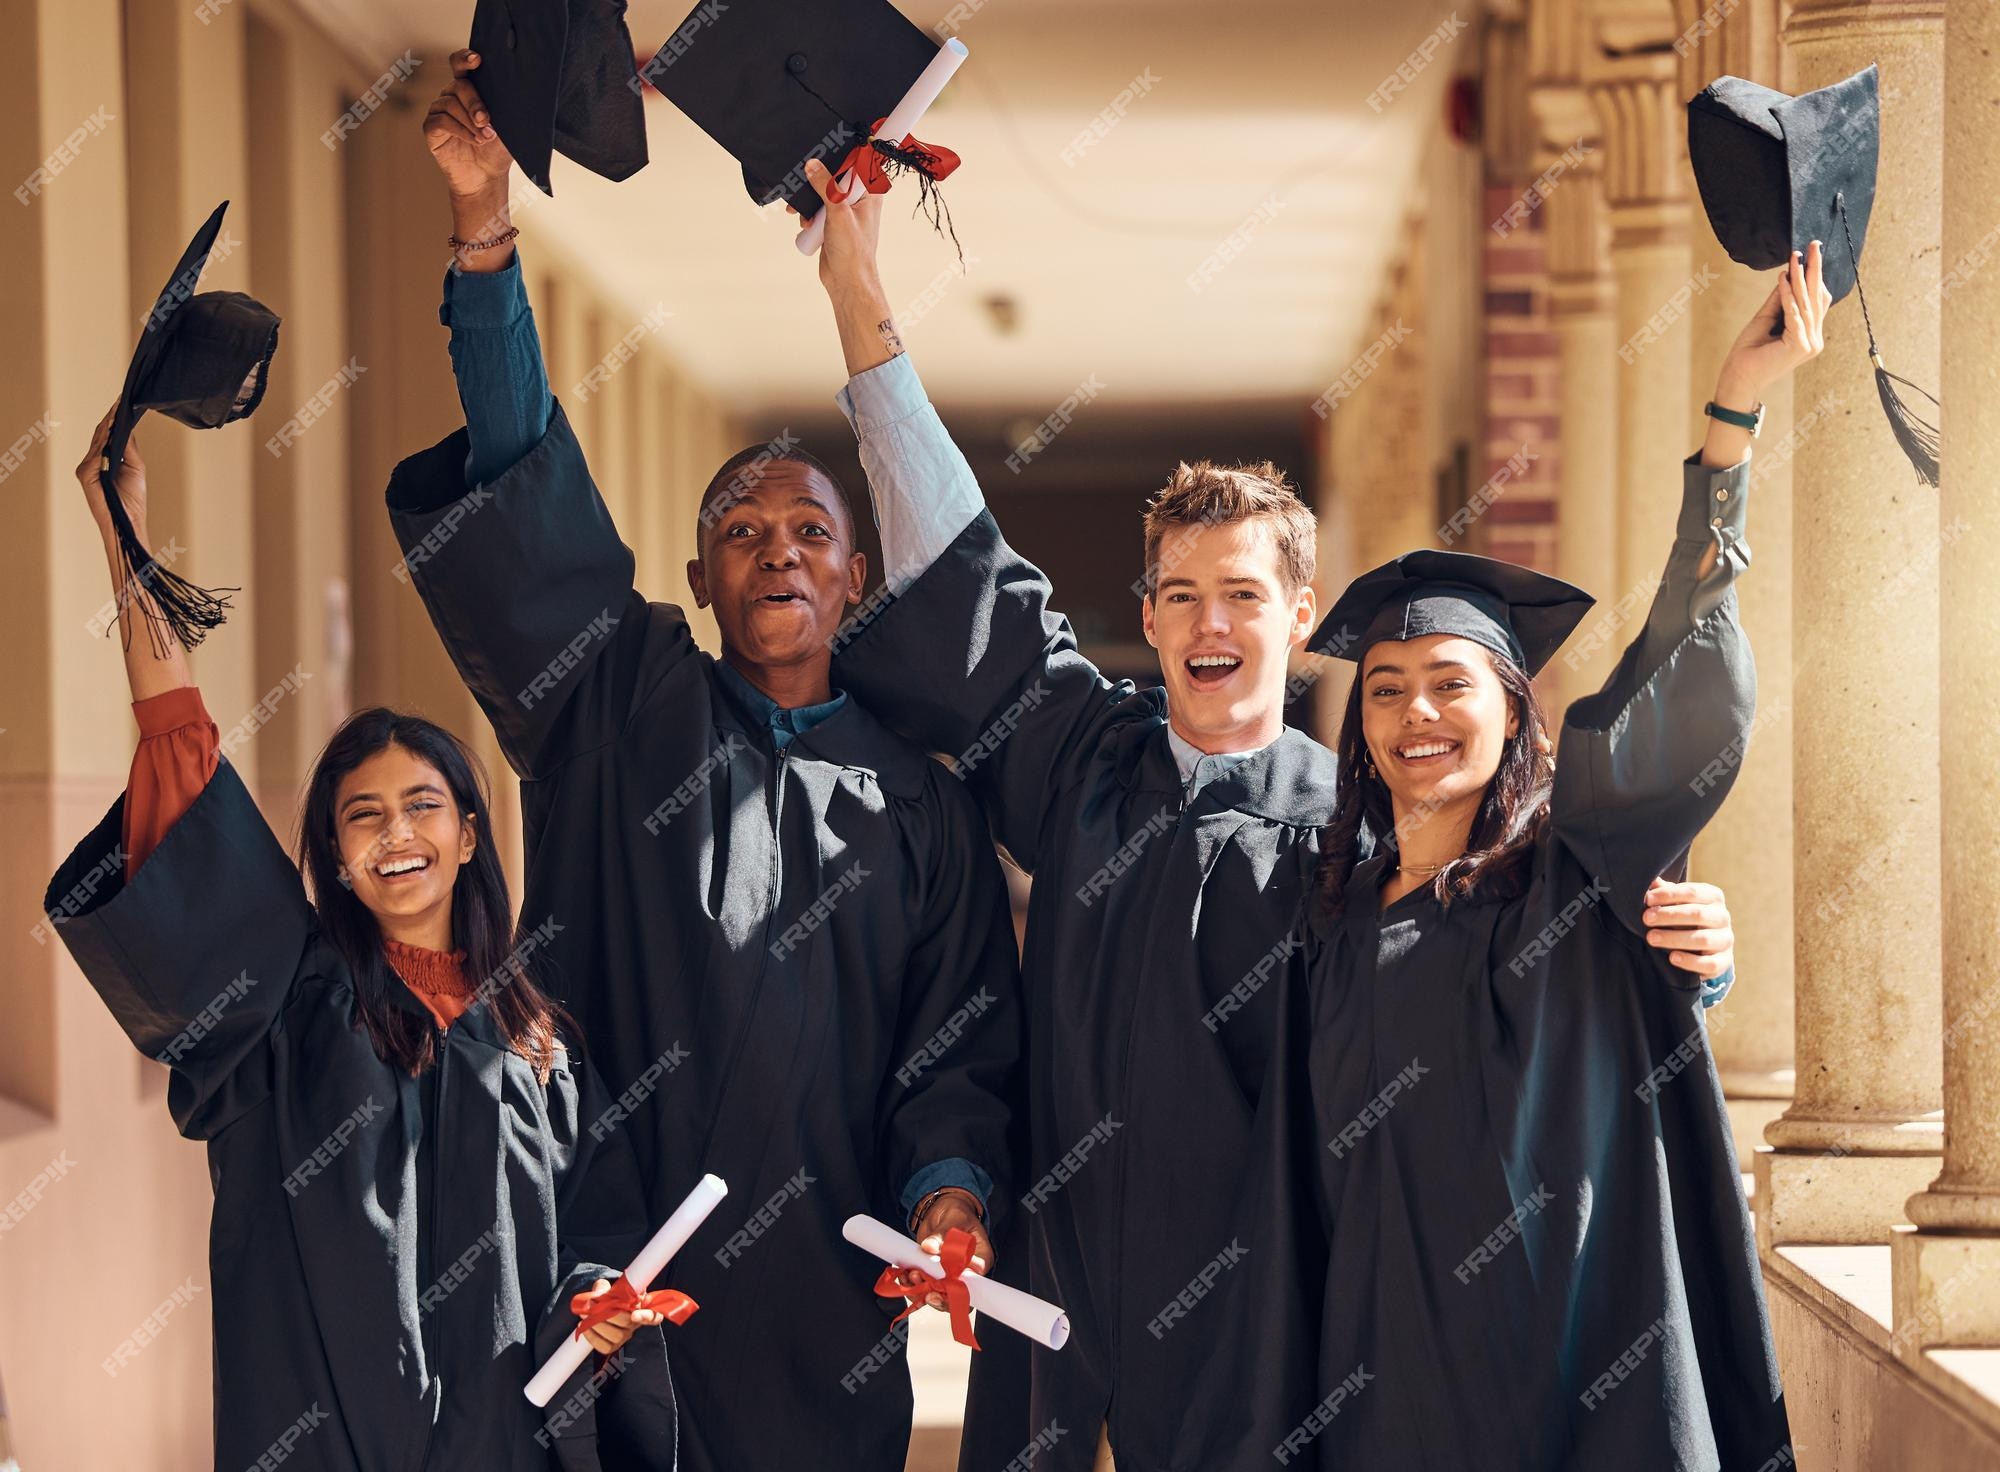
(618, 1412)
(954, 1091)
(198, 952)
(1643, 764)
(532, 592)
(972, 662)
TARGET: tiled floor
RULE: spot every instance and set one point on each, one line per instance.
(938, 1370)
(933, 1449)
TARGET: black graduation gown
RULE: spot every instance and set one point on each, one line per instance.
(1540, 1252)
(1154, 940)
(798, 924)
(390, 1258)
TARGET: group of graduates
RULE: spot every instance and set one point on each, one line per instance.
(1329, 1091)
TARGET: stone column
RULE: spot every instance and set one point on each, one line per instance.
(192, 154)
(1748, 848)
(1644, 133)
(694, 461)
(651, 503)
(302, 475)
(1865, 732)
(1947, 1275)
(1580, 310)
(405, 402)
(1376, 433)
(83, 1129)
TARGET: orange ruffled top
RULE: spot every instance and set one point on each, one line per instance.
(179, 748)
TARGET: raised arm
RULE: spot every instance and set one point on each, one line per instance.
(1645, 762)
(194, 948)
(502, 529)
(155, 663)
(496, 355)
(959, 650)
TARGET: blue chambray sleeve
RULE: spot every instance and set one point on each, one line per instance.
(924, 492)
(942, 1173)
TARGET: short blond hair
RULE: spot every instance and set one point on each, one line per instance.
(1206, 494)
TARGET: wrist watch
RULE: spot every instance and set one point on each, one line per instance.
(1753, 421)
(924, 1205)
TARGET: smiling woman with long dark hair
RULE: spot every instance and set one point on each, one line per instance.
(362, 908)
(1538, 1252)
(409, 1187)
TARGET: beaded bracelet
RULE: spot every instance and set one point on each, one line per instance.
(458, 246)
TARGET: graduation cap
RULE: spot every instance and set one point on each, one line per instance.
(1510, 609)
(202, 361)
(1778, 172)
(558, 76)
(843, 81)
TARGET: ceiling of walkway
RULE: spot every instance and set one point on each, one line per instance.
(1253, 119)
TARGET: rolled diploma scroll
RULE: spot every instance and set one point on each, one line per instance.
(899, 125)
(1022, 1312)
(652, 1258)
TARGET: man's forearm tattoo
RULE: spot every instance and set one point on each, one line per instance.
(891, 339)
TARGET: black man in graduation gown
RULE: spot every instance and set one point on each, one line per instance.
(786, 934)
(1170, 857)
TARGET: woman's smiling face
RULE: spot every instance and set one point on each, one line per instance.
(400, 834)
(1435, 718)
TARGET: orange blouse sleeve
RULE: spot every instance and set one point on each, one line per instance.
(178, 752)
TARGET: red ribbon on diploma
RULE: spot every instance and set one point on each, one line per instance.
(870, 167)
(672, 1304)
(955, 1258)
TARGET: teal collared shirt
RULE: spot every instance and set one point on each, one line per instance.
(783, 724)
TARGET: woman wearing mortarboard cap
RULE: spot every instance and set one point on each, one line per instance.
(411, 1200)
(1539, 1253)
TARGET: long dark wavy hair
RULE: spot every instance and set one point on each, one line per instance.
(1513, 812)
(480, 923)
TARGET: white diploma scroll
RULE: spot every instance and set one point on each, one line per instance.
(900, 124)
(652, 1259)
(1022, 1312)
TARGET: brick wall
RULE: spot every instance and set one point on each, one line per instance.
(1522, 424)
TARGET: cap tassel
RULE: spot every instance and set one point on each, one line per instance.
(877, 161)
(1918, 436)
(177, 607)
(928, 167)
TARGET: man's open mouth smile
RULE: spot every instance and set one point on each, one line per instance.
(1211, 671)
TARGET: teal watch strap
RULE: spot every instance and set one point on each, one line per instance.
(1752, 422)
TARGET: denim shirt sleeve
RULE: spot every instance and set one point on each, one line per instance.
(942, 1173)
(924, 492)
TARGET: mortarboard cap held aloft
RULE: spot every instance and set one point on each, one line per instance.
(558, 76)
(1510, 609)
(1778, 172)
(843, 81)
(204, 361)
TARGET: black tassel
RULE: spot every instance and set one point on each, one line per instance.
(1918, 437)
(921, 162)
(178, 608)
